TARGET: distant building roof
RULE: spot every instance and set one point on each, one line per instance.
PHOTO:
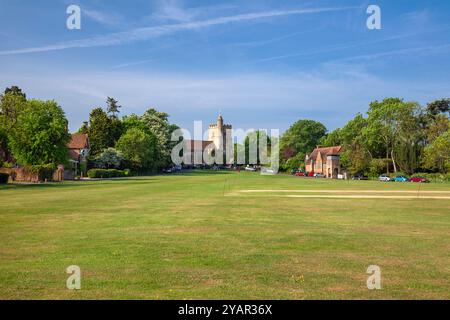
(324, 152)
(194, 143)
(79, 141)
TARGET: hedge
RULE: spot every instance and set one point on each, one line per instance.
(4, 178)
(106, 173)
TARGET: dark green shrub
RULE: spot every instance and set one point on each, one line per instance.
(4, 178)
(95, 173)
(105, 173)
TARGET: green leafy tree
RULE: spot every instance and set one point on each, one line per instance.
(355, 155)
(3, 145)
(436, 155)
(40, 135)
(139, 148)
(158, 124)
(12, 103)
(15, 91)
(301, 138)
(436, 126)
(100, 131)
(113, 107)
(84, 128)
(110, 158)
(332, 139)
(438, 107)
(396, 124)
(294, 163)
(255, 138)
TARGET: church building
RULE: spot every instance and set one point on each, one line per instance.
(218, 141)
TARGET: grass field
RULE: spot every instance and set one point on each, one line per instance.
(212, 236)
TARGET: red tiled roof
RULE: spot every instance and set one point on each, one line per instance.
(194, 143)
(324, 152)
(79, 141)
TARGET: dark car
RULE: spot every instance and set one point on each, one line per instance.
(419, 179)
(360, 176)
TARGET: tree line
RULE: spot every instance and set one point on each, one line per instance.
(393, 136)
(142, 143)
(35, 133)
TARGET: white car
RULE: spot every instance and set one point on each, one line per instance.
(248, 168)
(319, 175)
(265, 170)
(384, 177)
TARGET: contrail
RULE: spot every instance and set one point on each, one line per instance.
(141, 34)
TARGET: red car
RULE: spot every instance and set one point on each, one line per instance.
(419, 179)
(299, 174)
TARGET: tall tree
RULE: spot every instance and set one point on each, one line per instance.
(255, 138)
(40, 135)
(302, 137)
(437, 154)
(12, 103)
(112, 107)
(15, 91)
(100, 131)
(158, 124)
(389, 121)
(84, 128)
(139, 148)
(332, 139)
(356, 154)
(439, 106)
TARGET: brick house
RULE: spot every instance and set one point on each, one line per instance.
(324, 160)
(78, 151)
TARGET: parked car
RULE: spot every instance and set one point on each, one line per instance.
(384, 178)
(310, 174)
(401, 179)
(419, 179)
(248, 168)
(319, 175)
(360, 176)
(300, 174)
(265, 170)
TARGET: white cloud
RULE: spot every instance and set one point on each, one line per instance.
(264, 100)
(141, 34)
(101, 16)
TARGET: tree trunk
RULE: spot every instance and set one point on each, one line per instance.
(387, 157)
(393, 161)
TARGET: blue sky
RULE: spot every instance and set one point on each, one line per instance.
(263, 64)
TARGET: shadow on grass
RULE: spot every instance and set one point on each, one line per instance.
(130, 181)
(202, 172)
(76, 184)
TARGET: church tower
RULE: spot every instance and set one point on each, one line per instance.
(217, 134)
